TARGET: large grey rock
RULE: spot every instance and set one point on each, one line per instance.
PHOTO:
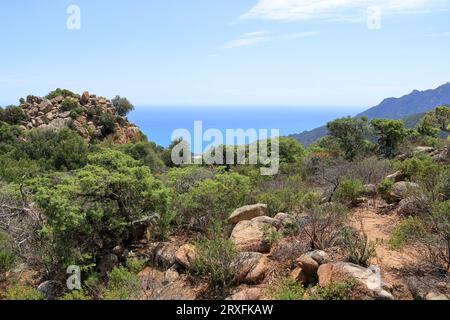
(247, 213)
(107, 263)
(401, 190)
(369, 284)
(50, 289)
(429, 287)
(162, 254)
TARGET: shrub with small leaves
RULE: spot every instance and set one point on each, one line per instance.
(216, 260)
(358, 247)
(122, 285)
(348, 192)
(409, 229)
(22, 293)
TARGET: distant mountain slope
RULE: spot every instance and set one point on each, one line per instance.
(410, 107)
(413, 103)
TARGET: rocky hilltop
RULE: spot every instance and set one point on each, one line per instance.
(94, 118)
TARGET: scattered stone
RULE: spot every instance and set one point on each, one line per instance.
(186, 255)
(247, 294)
(285, 219)
(370, 190)
(308, 265)
(396, 177)
(247, 213)
(429, 287)
(162, 254)
(424, 150)
(401, 190)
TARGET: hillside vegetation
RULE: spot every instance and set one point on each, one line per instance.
(363, 213)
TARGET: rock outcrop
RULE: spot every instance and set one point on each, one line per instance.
(84, 114)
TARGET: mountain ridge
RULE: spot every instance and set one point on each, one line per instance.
(412, 104)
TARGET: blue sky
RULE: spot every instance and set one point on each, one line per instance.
(225, 52)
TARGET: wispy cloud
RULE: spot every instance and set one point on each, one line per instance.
(12, 81)
(438, 34)
(253, 38)
(291, 10)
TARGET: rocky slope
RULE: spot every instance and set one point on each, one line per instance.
(87, 114)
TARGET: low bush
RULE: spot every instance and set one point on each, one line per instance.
(216, 261)
(75, 295)
(108, 123)
(7, 261)
(281, 200)
(385, 188)
(287, 289)
(122, 285)
(358, 247)
(12, 115)
(60, 92)
(409, 229)
(22, 293)
(333, 291)
(324, 224)
(69, 104)
(348, 192)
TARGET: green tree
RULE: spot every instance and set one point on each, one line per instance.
(122, 105)
(435, 121)
(12, 115)
(350, 134)
(390, 134)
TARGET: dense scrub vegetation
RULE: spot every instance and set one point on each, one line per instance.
(64, 202)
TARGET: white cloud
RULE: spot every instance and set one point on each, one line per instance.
(290, 10)
(253, 38)
(243, 42)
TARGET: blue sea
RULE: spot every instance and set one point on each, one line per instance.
(158, 123)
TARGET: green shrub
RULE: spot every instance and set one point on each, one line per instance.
(60, 150)
(287, 289)
(183, 179)
(348, 192)
(122, 285)
(97, 202)
(271, 235)
(385, 188)
(135, 265)
(324, 224)
(333, 291)
(108, 123)
(69, 104)
(409, 229)
(22, 293)
(212, 199)
(60, 92)
(281, 200)
(12, 115)
(75, 295)
(7, 261)
(358, 247)
(216, 260)
(145, 153)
